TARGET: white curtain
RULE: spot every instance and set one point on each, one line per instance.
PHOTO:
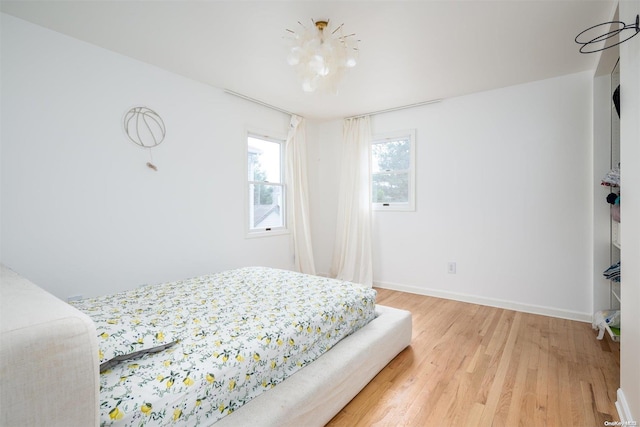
(352, 249)
(297, 195)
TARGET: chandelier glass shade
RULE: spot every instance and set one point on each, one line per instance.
(322, 56)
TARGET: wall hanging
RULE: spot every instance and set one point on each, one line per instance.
(145, 128)
(591, 45)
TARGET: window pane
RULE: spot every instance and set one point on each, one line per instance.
(264, 160)
(391, 155)
(265, 206)
(390, 188)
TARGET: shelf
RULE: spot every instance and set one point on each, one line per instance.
(615, 291)
(615, 234)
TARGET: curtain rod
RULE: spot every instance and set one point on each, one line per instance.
(257, 101)
(403, 107)
(388, 110)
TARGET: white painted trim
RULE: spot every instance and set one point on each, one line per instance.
(624, 412)
(410, 206)
(492, 302)
(276, 137)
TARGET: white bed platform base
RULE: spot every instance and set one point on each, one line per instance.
(316, 393)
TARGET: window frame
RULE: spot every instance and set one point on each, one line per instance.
(251, 232)
(410, 205)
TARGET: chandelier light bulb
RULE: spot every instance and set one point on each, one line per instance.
(310, 85)
(294, 56)
(322, 56)
(318, 66)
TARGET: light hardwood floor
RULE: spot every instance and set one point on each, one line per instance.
(472, 365)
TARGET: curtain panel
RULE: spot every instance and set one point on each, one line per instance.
(298, 199)
(352, 259)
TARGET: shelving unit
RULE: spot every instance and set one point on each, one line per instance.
(615, 295)
(615, 234)
(615, 161)
(607, 247)
(615, 292)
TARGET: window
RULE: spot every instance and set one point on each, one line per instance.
(266, 188)
(392, 171)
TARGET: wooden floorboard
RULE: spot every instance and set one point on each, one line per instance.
(472, 365)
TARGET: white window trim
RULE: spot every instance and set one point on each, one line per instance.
(399, 207)
(270, 231)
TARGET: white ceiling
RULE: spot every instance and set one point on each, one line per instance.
(410, 51)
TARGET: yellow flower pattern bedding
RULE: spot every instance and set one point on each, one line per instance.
(239, 333)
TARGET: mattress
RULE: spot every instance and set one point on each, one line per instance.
(231, 336)
(315, 394)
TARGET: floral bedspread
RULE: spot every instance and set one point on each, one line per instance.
(239, 333)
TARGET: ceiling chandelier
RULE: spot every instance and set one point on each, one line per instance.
(321, 57)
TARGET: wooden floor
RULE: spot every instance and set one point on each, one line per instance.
(472, 365)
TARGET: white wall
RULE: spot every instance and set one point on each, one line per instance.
(504, 189)
(81, 213)
(630, 213)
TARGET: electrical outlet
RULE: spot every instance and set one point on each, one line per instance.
(451, 268)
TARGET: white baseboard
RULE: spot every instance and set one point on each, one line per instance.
(624, 412)
(492, 302)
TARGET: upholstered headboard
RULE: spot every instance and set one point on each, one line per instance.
(48, 358)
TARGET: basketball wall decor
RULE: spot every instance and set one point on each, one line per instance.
(144, 127)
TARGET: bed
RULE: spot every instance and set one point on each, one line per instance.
(308, 387)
